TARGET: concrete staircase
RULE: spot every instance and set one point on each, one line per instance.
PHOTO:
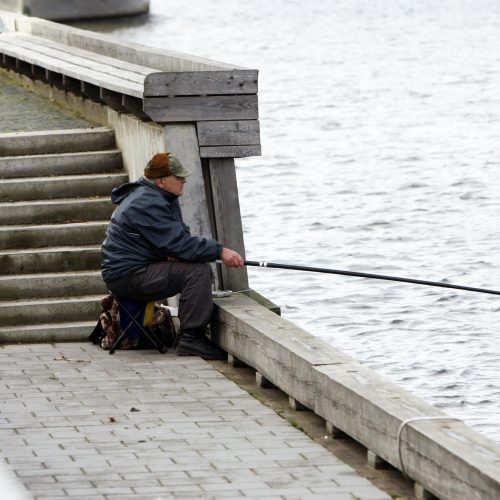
(54, 207)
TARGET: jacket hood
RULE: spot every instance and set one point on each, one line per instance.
(121, 192)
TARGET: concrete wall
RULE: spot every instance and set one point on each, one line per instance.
(137, 140)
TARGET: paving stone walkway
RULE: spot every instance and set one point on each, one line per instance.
(76, 422)
(22, 111)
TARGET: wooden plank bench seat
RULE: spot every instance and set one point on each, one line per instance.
(102, 71)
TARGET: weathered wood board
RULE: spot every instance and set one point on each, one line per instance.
(72, 69)
(229, 133)
(192, 109)
(227, 218)
(80, 57)
(229, 151)
(201, 83)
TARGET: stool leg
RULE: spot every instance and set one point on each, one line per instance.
(162, 348)
(150, 336)
(118, 341)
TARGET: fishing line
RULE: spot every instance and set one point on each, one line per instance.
(369, 276)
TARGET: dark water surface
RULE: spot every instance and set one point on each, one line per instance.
(380, 128)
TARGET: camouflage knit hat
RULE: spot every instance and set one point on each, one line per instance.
(163, 165)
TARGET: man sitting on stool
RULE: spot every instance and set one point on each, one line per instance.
(149, 254)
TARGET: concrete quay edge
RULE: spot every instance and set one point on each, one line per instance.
(445, 457)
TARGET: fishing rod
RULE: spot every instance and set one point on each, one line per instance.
(368, 275)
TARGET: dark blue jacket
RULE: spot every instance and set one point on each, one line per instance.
(147, 227)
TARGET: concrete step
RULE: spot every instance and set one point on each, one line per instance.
(93, 162)
(51, 285)
(45, 260)
(55, 205)
(58, 211)
(56, 141)
(51, 235)
(64, 186)
(75, 331)
(58, 310)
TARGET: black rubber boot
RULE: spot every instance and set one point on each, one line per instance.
(195, 343)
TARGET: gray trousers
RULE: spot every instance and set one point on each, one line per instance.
(166, 279)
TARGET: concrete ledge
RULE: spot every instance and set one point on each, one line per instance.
(56, 141)
(46, 333)
(93, 162)
(263, 301)
(55, 310)
(47, 285)
(446, 457)
(279, 350)
(57, 211)
(44, 260)
(60, 186)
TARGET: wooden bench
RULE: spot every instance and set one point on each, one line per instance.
(87, 67)
(222, 102)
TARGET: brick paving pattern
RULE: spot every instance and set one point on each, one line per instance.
(22, 111)
(76, 422)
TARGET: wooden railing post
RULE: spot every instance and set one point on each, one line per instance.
(227, 218)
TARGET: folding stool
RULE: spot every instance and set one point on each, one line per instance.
(135, 318)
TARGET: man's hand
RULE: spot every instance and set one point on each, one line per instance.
(231, 258)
